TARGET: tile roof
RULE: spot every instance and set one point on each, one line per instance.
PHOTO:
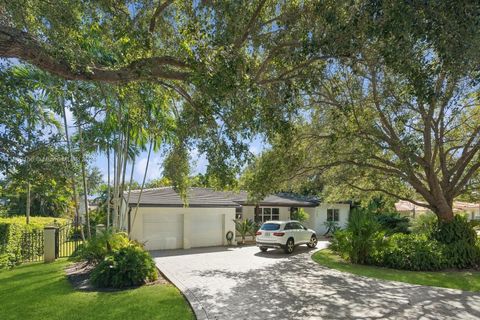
(168, 197)
(207, 197)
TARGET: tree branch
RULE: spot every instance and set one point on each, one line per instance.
(250, 24)
(18, 44)
(158, 11)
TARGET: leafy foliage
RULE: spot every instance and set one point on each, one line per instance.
(100, 246)
(456, 230)
(424, 224)
(126, 267)
(361, 239)
(413, 252)
(393, 223)
(245, 227)
(12, 245)
(300, 215)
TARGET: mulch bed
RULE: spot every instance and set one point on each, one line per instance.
(78, 274)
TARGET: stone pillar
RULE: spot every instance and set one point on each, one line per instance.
(186, 231)
(49, 243)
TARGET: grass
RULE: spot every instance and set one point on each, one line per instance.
(41, 291)
(463, 280)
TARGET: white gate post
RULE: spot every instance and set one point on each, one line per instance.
(49, 243)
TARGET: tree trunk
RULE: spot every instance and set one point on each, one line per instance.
(70, 155)
(129, 189)
(84, 178)
(444, 213)
(108, 186)
(27, 209)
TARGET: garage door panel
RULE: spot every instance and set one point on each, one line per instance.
(163, 231)
(206, 230)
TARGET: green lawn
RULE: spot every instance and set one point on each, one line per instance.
(469, 281)
(41, 291)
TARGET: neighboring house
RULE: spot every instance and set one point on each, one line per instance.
(412, 210)
(81, 208)
(163, 222)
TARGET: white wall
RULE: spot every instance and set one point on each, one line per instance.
(189, 216)
(318, 219)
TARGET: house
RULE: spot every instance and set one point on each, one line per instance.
(472, 210)
(163, 222)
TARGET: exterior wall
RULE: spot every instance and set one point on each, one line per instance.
(317, 220)
(187, 215)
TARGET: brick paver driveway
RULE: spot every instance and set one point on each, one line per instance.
(243, 283)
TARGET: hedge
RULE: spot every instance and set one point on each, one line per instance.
(13, 246)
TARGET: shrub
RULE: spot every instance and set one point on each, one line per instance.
(126, 267)
(461, 249)
(362, 240)
(393, 223)
(97, 248)
(456, 230)
(13, 246)
(424, 224)
(300, 215)
(412, 252)
(332, 227)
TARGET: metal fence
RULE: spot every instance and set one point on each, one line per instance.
(31, 246)
(67, 240)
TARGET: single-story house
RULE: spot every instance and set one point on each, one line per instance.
(163, 222)
(472, 210)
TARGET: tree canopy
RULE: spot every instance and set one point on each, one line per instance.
(362, 91)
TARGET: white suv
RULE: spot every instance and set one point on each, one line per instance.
(285, 235)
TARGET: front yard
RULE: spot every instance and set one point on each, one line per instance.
(41, 291)
(463, 280)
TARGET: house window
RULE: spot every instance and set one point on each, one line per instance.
(333, 215)
(239, 213)
(266, 214)
(275, 214)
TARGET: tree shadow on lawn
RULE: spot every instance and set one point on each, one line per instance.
(298, 288)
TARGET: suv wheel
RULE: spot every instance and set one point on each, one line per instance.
(289, 246)
(313, 242)
(263, 249)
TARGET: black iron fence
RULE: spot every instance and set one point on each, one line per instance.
(67, 240)
(31, 246)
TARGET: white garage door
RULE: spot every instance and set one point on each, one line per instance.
(162, 231)
(207, 230)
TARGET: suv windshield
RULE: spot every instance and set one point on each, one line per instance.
(270, 226)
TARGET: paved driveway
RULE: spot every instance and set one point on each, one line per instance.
(243, 283)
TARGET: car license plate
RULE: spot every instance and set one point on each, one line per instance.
(267, 234)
